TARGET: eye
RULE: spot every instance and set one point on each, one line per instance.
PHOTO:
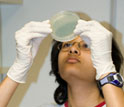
(84, 45)
(66, 45)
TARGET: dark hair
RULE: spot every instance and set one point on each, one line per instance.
(60, 94)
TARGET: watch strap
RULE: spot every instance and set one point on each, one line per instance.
(112, 78)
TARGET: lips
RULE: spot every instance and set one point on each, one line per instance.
(72, 60)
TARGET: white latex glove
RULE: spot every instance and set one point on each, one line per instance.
(101, 41)
(28, 40)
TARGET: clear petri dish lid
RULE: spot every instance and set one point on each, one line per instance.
(63, 25)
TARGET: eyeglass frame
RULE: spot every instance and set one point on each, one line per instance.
(60, 45)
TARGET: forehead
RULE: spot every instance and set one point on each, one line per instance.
(77, 39)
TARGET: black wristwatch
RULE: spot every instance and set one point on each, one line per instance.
(113, 78)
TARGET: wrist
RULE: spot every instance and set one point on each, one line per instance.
(18, 72)
(112, 78)
(104, 75)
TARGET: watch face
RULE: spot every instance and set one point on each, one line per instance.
(119, 77)
(111, 78)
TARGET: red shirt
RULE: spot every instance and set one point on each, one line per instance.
(99, 105)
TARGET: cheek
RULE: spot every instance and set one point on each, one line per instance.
(86, 61)
(61, 61)
(87, 66)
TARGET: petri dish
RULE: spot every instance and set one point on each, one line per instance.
(63, 25)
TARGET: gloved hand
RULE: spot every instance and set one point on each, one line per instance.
(101, 41)
(28, 40)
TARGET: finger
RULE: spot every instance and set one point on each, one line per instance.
(25, 40)
(94, 22)
(80, 26)
(28, 36)
(23, 33)
(98, 26)
(36, 23)
(93, 38)
(46, 21)
(45, 30)
(86, 35)
(81, 29)
(77, 31)
(86, 40)
(82, 21)
(36, 35)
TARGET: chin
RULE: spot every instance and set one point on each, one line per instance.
(69, 72)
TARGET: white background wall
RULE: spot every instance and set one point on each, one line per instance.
(40, 86)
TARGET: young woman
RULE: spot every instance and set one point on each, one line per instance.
(86, 72)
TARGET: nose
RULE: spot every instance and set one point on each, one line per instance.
(74, 50)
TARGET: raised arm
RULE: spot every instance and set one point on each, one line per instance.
(28, 40)
(114, 96)
(101, 48)
(7, 88)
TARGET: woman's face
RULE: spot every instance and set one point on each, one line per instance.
(74, 61)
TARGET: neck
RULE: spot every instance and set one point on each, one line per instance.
(83, 95)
